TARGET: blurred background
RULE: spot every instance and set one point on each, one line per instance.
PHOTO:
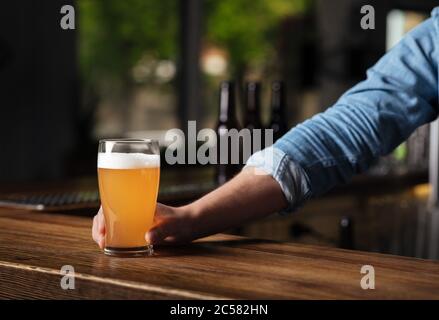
(137, 68)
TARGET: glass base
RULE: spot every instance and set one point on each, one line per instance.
(130, 252)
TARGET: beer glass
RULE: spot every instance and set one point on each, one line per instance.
(128, 174)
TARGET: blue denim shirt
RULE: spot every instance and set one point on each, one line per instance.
(368, 121)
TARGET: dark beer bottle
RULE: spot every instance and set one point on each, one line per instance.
(278, 121)
(227, 120)
(252, 116)
(252, 105)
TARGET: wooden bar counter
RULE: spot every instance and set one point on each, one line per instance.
(34, 247)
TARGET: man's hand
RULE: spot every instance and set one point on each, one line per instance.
(172, 225)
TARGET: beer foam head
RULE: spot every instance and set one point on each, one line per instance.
(117, 160)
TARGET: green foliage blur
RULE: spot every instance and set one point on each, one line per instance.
(247, 28)
(115, 34)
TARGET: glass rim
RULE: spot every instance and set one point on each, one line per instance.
(129, 140)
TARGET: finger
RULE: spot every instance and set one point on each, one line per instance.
(101, 222)
(101, 242)
(101, 228)
(158, 234)
(94, 229)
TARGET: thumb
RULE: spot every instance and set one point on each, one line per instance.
(157, 235)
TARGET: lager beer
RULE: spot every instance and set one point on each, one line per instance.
(128, 174)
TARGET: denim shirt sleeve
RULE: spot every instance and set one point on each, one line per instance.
(368, 121)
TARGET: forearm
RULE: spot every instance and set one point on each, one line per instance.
(374, 117)
(247, 197)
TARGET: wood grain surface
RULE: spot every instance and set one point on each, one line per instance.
(34, 247)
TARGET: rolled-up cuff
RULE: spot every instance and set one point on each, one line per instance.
(290, 176)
